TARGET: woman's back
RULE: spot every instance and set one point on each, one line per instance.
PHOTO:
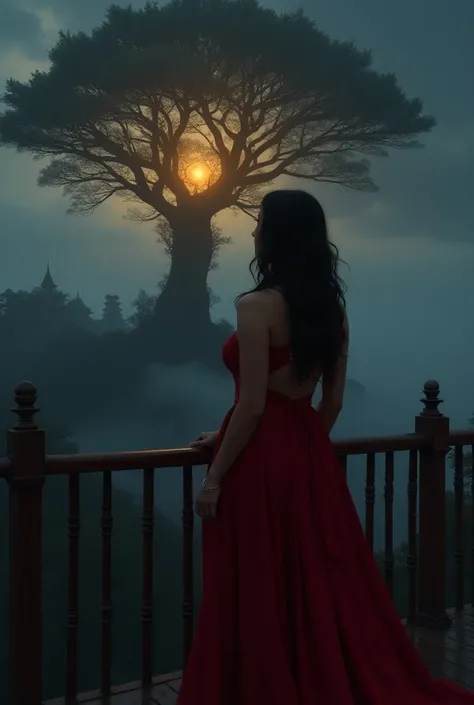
(284, 380)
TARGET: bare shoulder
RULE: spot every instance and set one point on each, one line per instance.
(270, 299)
(254, 301)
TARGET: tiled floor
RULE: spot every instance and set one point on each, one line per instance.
(164, 691)
(448, 654)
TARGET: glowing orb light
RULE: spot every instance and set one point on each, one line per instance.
(199, 174)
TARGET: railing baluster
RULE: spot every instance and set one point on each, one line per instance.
(188, 560)
(25, 443)
(106, 611)
(148, 521)
(73, 588)
(388, 497)
(343, 461)
(370, 499)
(412, 555)
(27, 466)
(458, 526)
(434, 426)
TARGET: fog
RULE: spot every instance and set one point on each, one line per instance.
(175, 404)
(409, 247)
(73, 320)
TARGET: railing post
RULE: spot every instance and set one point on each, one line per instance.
(26, 448)
(431, 608)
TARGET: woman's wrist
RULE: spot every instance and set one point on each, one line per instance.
(209, 485)
(213, 477)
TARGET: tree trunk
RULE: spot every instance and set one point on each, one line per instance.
(182, 310)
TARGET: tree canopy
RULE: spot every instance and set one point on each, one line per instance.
(205, 102)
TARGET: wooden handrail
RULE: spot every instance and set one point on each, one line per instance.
(462, 437)
(177, 457)
(27, 468)
(125, 460)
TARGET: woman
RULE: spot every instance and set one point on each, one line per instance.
(294, 610)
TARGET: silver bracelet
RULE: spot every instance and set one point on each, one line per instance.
(206, 488)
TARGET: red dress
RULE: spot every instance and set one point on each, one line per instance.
(294, 609)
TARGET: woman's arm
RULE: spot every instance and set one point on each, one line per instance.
(330, 405)
(254, 339)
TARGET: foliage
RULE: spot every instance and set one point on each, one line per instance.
(186, 109)
(39, 331)
(71, 356)
(44, 311)
(35, 308)
(144, 307)
(251, 94)
(112, 317)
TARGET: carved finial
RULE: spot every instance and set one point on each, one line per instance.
(431, 399)
(25, 400)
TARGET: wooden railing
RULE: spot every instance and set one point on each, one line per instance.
(27, 467)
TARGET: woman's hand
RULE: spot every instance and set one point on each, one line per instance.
(207, 499)
(207, 439)
(206, 503)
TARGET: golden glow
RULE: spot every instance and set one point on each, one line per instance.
(198, 167)
(199, 174)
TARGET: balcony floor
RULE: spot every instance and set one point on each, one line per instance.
(448, 654)
(164, 691)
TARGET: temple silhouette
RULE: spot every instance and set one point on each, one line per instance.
(48, 305)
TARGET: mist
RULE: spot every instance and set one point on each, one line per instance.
(408, 246)
(78, 303)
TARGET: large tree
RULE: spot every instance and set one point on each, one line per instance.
(195, 106)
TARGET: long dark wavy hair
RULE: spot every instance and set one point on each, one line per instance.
(294, 255)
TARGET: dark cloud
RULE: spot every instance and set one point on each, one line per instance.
(428, 45)
(425, 193)
(20, 29)
(83, 15)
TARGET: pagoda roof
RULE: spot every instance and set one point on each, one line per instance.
(48, 284)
